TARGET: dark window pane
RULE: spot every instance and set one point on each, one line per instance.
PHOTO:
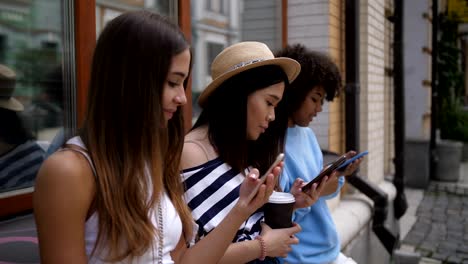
(212, 50)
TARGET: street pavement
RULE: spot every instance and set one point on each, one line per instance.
(435, 227)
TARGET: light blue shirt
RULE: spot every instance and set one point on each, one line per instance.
(318, 240)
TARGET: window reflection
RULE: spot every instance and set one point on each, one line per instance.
(21, 156)
(31, 54)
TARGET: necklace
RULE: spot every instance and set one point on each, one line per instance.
(161, 233)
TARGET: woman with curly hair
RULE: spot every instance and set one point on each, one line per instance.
(319, 79)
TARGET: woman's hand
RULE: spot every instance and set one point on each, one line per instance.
(351, 168)
(278, 241)
(254, 192)
(308, 198)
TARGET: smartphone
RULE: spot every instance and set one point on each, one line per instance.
(278, 159)
(343, 166)
(333, 166)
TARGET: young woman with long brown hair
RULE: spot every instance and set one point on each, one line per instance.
(113, 193)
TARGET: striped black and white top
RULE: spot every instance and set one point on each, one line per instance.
(211, 191)
(19, 166)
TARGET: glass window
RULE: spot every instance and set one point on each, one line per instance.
(106, 10)
(218, 23)
(217, 6)
(32, 92)
(213, 49)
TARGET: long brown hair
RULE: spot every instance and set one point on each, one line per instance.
(135, 154)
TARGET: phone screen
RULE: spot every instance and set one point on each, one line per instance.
(343, 166)
(278, 159)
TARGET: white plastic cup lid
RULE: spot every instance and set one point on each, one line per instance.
(281, 198)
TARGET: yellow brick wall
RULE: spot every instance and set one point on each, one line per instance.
(336, 50)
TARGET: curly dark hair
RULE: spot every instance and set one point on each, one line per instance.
(317, 69)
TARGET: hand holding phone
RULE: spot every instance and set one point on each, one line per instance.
(327, 171)
(277, 161)
(343, 166)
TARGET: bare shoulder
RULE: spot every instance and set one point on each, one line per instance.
(192, 156)
(65, 177)
(63, 195)
(197, 150)
(66, 167)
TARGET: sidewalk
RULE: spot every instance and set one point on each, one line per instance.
(435, 225)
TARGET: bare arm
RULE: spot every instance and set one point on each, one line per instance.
(63, 194)
(241, 252)
(218, 240)
(277, 241)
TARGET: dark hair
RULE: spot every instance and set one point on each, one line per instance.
(125, 133)
(317, 69)
(12, 130)
(225, 114)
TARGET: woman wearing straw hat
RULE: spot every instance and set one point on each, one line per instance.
(234, 132)
(20, 155)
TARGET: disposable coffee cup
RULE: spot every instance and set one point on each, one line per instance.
(279, 209)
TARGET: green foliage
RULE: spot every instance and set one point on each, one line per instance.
(450, 74)
(453, 120)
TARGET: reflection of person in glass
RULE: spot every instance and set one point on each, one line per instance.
(20, 155)
(50, 99)
(46, 108)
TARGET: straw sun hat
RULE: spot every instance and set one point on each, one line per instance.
(241, 57)
(7, 86)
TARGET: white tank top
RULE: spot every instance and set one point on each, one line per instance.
(172, 227)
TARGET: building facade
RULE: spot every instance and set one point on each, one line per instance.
(418, 48)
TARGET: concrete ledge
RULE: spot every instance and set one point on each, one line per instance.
(350, 217)
(354, 212)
